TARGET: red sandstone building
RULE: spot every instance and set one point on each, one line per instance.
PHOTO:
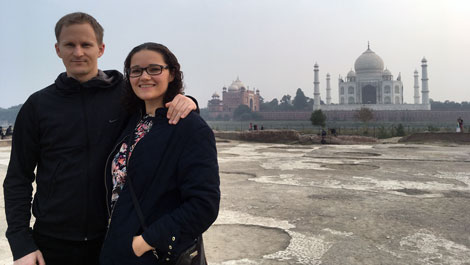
(236, 95)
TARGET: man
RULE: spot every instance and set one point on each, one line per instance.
(67, 130)
(9, 130)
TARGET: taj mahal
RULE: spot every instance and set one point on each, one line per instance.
(372, 86)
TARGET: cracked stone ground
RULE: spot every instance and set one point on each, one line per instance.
(356, 204)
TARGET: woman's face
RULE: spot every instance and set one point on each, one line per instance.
(150, 88)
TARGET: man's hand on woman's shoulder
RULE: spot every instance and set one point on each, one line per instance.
(179, 108)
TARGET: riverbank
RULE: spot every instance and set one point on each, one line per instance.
(295, 137)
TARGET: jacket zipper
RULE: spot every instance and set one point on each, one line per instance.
(110, 211)
(87, 148)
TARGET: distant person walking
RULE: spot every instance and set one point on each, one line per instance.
(323, 136)
(460, 124)
(9, 131)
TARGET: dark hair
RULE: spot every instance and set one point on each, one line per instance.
(175, 87)
(79, 18)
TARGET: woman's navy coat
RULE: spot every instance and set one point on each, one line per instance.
(175, 175)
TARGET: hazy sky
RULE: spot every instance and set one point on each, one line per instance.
(271, 45)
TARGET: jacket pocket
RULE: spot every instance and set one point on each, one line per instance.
(44, 193)
(131, 258)
(51, 184)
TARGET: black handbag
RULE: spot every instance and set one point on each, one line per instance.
(194, 255)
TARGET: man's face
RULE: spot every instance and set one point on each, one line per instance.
(79, 50)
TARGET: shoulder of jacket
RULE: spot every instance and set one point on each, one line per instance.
(36, 97)
(191, 124)
(193, 120)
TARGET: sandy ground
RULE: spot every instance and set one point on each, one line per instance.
(386, 203)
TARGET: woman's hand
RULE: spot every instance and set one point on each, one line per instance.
(179, 107)
(32, 258)
(139, 246)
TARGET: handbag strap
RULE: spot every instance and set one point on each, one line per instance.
(134, 197)
(131, 186)
(202, 255)
(136, 203)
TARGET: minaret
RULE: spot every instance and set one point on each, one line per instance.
(416, 87)
(328, 89)
(424, 82)
(316, 88)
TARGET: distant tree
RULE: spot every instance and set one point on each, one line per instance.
(265, 107)
(240, 111)
(285, 103)
(310, 103)
(318, 118)
(364, 115)
(400, 130)
(382, 132)
(274, 102)
(449, 105)
(256, 116)
(285, 99)
(9, 115)
(300, 100)
(273, 105)
(245, 117)
(244, 113)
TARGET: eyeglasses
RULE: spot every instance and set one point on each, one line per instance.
(153, 69)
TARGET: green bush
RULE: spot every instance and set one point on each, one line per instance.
(318, 118)
(400, 131)
(382, 132)
(432, 128)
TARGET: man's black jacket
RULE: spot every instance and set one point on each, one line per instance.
(67, 131)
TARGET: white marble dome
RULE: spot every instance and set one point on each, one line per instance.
(351, 74)
(369, 62)
(236, 85)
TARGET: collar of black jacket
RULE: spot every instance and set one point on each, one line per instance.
(104, 79)
(160, 113)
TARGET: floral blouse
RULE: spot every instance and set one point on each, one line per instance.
(118, 165)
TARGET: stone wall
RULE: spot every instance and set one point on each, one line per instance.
(291, 137)
(386, 116)
(376, 107)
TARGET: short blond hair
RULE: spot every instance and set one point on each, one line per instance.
(79, 18)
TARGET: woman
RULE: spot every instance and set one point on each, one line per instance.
(172, 169)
